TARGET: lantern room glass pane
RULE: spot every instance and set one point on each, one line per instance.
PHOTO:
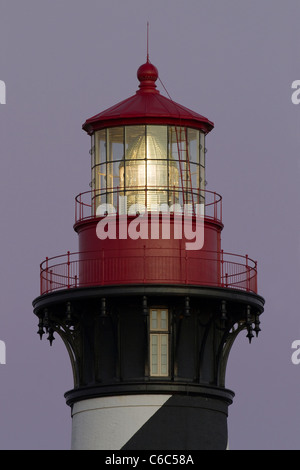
(202, 149)
(135, 143)
(135, 180)
(195, 176)
(98, 152)
(100, 147)
(115, 144)
(157, 142)
(135, 175)
(99, 186)
(174, 174)
(157, 174)
(178, 143)
(93, 155)
(157, 183)
(109, 182)
(193, 145)
(101, 177)
(92, 151)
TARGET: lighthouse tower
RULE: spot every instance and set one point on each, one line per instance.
(150, 305)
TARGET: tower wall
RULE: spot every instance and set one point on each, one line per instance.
(156, 421)
(123, 261)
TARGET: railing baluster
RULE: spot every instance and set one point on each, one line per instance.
(222, 268)
(68, 269)
(47, 281)
(247, 274)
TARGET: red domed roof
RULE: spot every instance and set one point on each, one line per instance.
(147, 106)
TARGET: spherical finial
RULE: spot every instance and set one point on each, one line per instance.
(147, 71)
(147, 75)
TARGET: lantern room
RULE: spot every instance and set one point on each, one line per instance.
(149, 165)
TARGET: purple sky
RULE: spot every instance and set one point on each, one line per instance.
(232, 61)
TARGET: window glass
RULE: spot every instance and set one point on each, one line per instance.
(156, 139)
(116, 176)
(164, 354)
(174, 174)
(92, 151)
(157, 174)
(154, 355)
(194, 176)
(135, 142)
(135, 175)
(100, 147)
(202, 149)
(153, 320)
(159, 342)
(115, 144)
(163, 320)
(193, 145)
(100, 175)
(177, 143)
(202, 177)
(98, 157)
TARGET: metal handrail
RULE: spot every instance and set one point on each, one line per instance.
(63, 271)
(87, 210)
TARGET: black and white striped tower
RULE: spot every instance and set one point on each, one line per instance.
(150, 305)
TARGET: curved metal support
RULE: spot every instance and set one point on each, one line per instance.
(224, 350)
(72, 355)
(69, 333)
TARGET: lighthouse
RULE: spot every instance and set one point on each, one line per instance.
(150, 304)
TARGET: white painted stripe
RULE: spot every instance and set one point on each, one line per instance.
(107, 423)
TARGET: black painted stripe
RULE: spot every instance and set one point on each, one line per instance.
(184, 423)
